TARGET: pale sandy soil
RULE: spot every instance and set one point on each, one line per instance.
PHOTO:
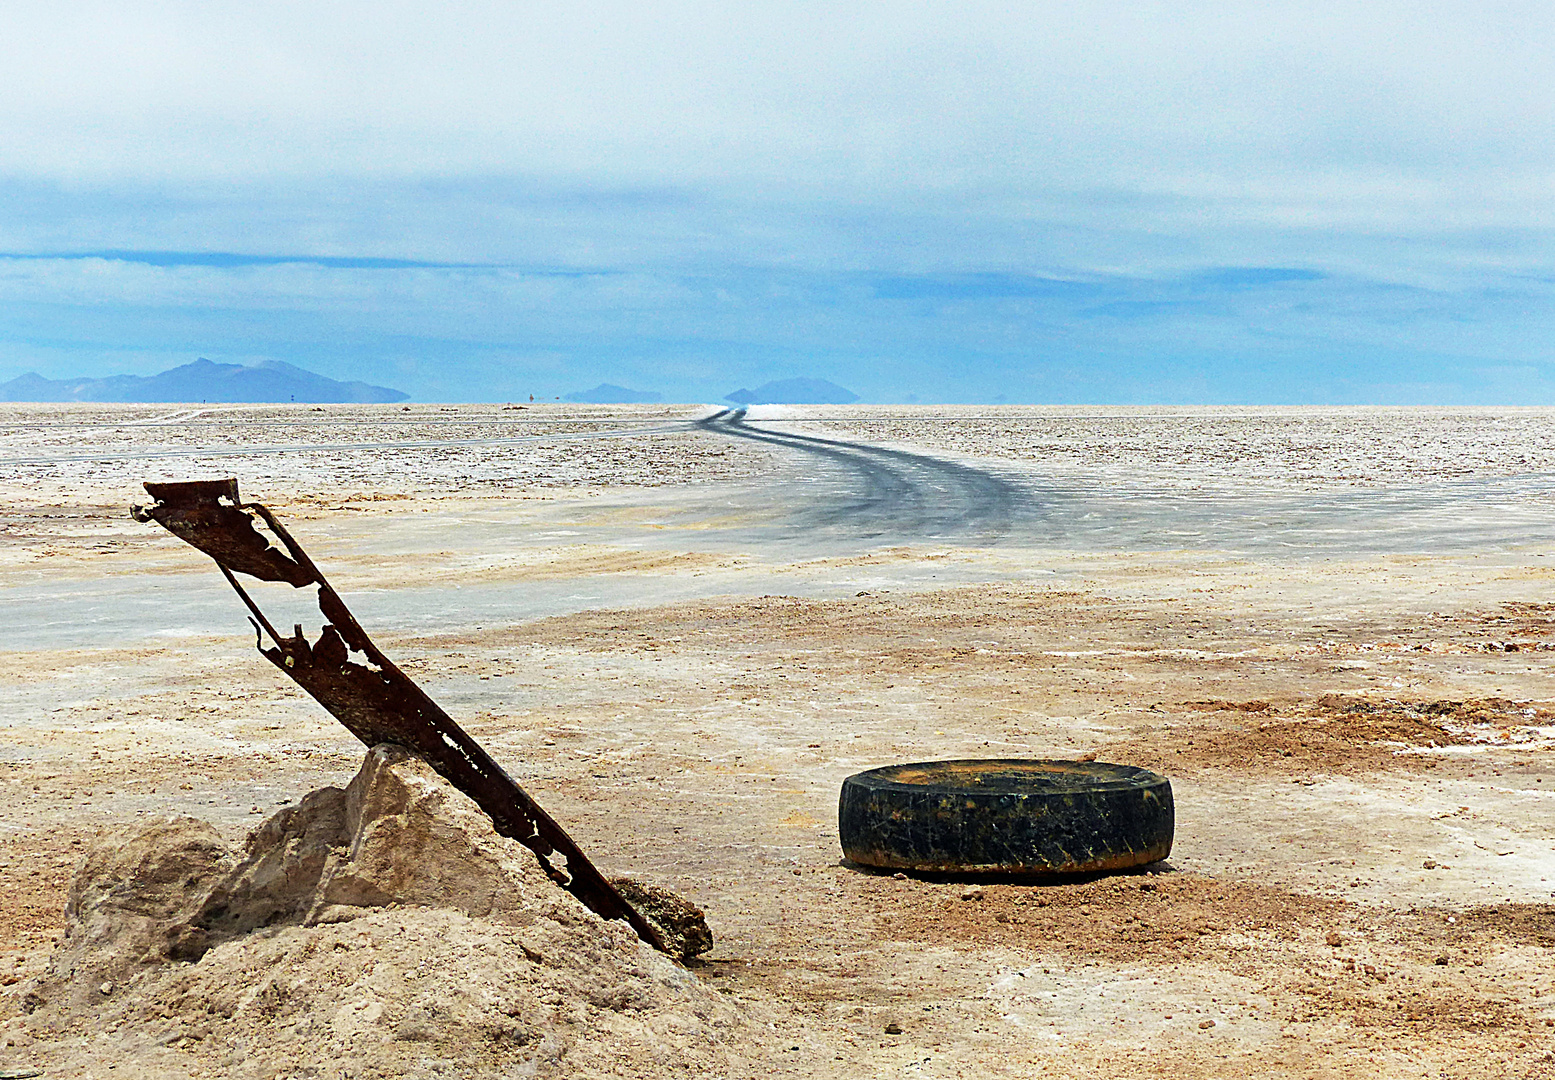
(1359, 740)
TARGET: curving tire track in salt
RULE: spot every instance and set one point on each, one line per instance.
(873, 492)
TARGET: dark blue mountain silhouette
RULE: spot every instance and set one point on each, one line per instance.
(610, 394)
(269, 380)
(794, 392)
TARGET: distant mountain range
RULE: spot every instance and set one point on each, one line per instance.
(794, 392)
(610, 394)
(267, 381)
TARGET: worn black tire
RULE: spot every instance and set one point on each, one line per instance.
(1006, 816)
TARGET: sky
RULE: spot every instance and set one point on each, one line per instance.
(1130, 203)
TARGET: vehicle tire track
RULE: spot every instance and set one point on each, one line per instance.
(888, 493)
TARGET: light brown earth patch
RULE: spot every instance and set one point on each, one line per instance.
(1410, 972)
(1334, 733)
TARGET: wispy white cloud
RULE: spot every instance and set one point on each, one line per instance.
(1325, 99)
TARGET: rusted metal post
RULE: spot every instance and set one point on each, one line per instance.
(360, 686)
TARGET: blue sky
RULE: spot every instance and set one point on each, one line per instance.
(1271, 203)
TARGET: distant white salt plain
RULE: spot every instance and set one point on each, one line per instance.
(846, 499)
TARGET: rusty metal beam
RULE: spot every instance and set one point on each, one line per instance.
(360, 686)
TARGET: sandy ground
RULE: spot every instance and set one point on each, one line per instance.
(1357, 730)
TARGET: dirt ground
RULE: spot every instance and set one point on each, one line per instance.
(1359, 741)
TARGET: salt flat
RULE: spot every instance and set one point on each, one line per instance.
(681, 630)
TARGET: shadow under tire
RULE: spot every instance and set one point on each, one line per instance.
(1006, 816)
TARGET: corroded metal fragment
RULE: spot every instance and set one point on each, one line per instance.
(360, 686)
(1006, 816)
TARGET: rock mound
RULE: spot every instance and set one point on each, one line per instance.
(383, 929)
(680, 924)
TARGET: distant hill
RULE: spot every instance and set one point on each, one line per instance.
(794, 392)
(610, 394)
(269, 380)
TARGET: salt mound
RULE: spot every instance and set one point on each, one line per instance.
(380, 930)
